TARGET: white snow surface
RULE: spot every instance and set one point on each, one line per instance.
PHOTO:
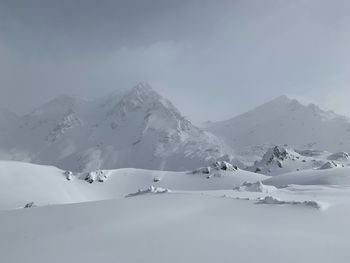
(22, 183)
(175, 228)
(172, 216)
(339, 176)
(339, 156)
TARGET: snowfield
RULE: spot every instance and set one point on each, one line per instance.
(335, 176)
(258, 189)
(175, 228)
(22, 183)
(158, 216)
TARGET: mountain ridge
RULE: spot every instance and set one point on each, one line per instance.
(134, 128)
(285, 121)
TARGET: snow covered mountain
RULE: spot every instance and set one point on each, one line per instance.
(286, 121)
(137, 128)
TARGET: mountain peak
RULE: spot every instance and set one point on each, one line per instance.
(284, 120)
(140, 93)
(143, 86)
(144, 98)
(143, 89)
(282, 98)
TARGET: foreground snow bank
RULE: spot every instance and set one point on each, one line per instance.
(175, 228)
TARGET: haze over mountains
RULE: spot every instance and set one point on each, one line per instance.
(139, 128)
(286, 121)
(300, 186)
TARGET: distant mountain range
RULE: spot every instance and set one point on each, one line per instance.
(137, 128)
(285, 121)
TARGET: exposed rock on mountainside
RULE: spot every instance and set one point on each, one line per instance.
(283, 159)
(134, 128)
(216, 166)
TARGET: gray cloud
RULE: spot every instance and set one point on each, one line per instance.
(213, 59)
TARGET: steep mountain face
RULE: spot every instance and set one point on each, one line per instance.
(286, 121)
(137, 128)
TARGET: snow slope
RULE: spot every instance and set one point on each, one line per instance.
(286, 121)
(135, 128)
(22, 183)
(175, 228)
(159, 216)
(334, 176)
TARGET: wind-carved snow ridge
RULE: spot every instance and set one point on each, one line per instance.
(255, 187)
(150, 190)
(270, 200)
(311, 152)
(339, 156)
(330, 165)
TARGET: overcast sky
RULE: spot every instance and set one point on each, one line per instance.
(212, 59)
